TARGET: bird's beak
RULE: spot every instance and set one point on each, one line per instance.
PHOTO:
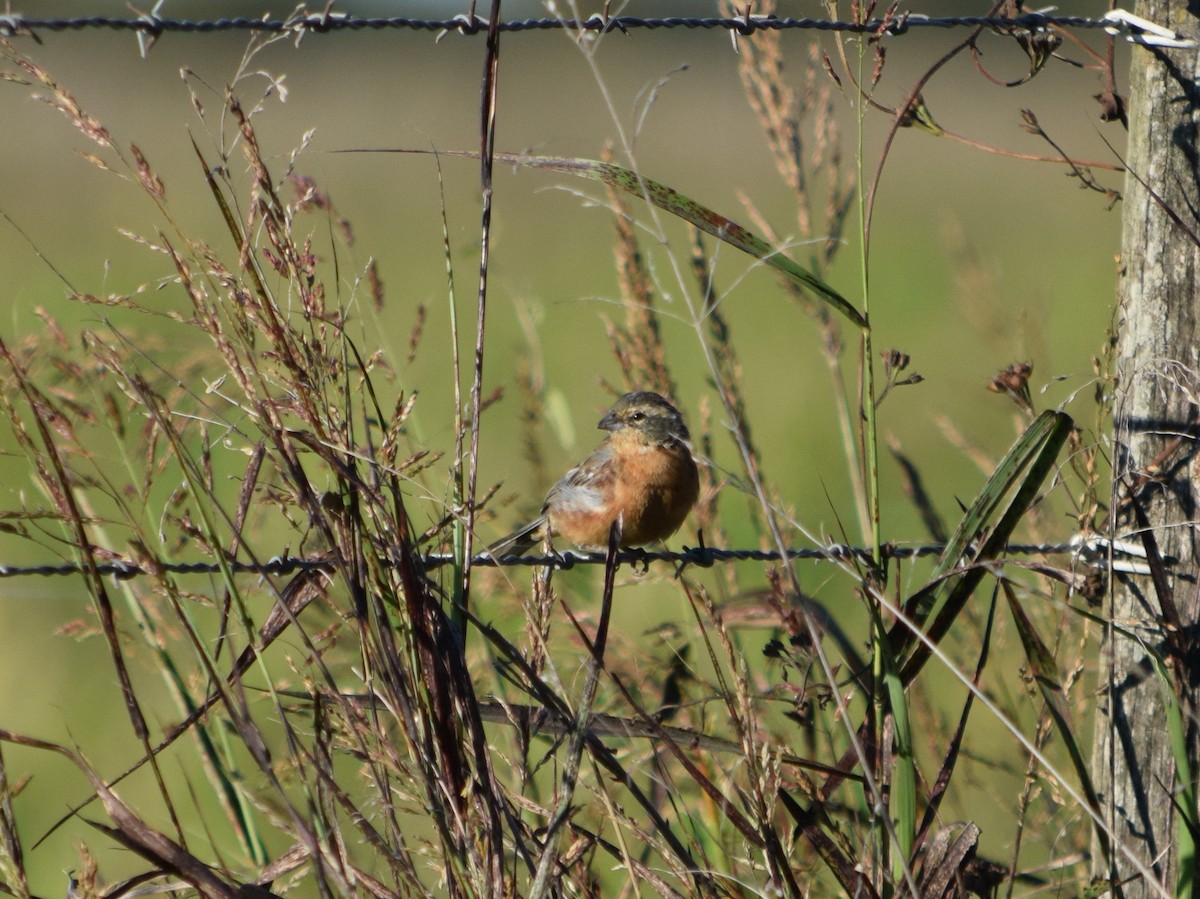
(609, 422)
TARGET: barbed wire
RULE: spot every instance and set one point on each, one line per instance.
(469, 24)
(1115, 22)
(1090, 551)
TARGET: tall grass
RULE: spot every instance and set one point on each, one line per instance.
(366, 727)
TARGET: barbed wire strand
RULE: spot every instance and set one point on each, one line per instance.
(703, 557)
(331, 22)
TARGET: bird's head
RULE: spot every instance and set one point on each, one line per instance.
(649, 415)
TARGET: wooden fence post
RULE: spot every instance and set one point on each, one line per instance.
(1156, 468)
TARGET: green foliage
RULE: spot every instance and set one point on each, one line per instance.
(375, 725)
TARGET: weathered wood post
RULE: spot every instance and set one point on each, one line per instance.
(1155, 433)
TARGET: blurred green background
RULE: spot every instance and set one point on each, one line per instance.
(978, 261)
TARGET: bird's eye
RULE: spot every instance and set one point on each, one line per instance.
(637, 416)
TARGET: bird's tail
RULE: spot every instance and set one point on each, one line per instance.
(519, 541)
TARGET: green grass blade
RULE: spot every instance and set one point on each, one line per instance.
(1044, 669)
(987, 526)
(706, 220)
(903, 799)
(1049, 426)
(684, 207)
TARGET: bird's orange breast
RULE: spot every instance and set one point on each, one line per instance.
(652, 490)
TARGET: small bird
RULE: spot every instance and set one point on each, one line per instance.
(642, 474)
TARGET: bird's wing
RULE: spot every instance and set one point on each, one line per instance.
(583, 487)
(580, 490)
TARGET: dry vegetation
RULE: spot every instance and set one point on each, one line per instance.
(406, 743)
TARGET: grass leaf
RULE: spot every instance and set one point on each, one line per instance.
(1044, 669)
(984, 531)
(678, 204)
